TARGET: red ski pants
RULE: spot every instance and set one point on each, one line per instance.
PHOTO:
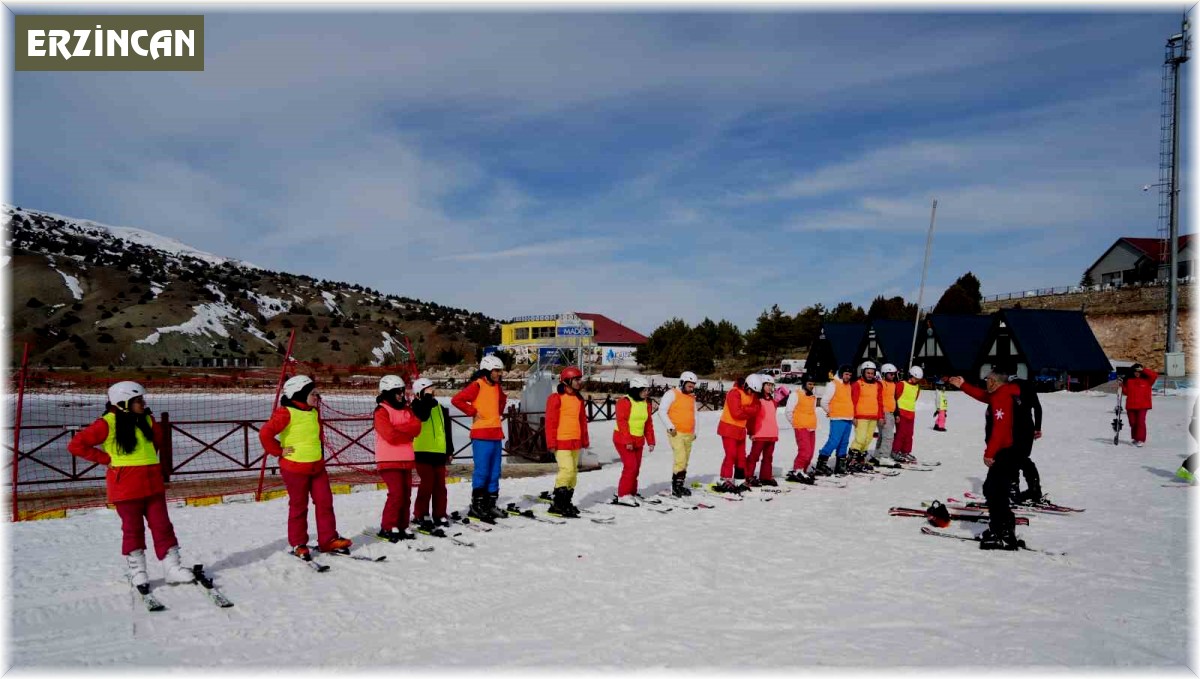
(299, 487)
(1137, 424)
(806, 444)
(153, 511)
(765, 449)
(904, 435)
(735, 457)
(432, 486)
(395, 507)
(631, 466)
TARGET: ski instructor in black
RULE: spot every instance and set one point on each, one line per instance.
(1005, 433)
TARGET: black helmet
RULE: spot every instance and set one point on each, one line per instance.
(844, 368)
(937, 514)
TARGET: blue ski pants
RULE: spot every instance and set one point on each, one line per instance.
(486, 454)
(839, 438)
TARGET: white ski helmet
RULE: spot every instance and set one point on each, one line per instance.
(390, 382)
(687, 376)
(639, 383)
(754, 382)
(124, 391)
(768, 378)
(866, 365)
(916, 372)
(887, 368)
(295, 384)
(421, 384)
(491, 362)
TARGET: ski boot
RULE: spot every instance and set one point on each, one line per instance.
(176, 573)
(494, 499)
(392, 535)
(798, 476)
(822, 468)
(753, 482)
(571, 508)
(1005, 539)
(426, 525)
(725, 486)
(337, 544)
(625, 500)
(479, 508)
(559, 505)
(677, 487)
(136, 561)
(839, 467)
(768, 482)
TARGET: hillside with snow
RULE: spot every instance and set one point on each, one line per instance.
(818, 577)
(89, 294)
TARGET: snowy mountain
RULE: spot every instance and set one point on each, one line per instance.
(90, 294)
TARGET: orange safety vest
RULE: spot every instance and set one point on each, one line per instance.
(568, 418)
(487, 406)
(841, 406)
(682, 412)
(805, 414)
(889, 396)
(727, 417)
(867, 407)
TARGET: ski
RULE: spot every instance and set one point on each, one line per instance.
(781, 490)
(438, 532)
(1045, 506)
(684, 502)
(210, 590)
(905, 467)
(921, 513)
(513, 510)
(1116, 421)
(309, 561)
(356, 557)
(545, 499)
(374, 535)
(710, 488)
(644, 504)
(151, 602)
(971, 538)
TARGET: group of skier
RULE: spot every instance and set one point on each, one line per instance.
(415, 435)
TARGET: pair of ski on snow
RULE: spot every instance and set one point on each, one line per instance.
(203, 581)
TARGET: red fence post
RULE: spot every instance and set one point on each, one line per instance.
(17, 430)
(262, 474)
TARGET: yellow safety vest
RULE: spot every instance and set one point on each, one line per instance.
(302, 435)
(638, 414)
(143, 453)
(908, 400)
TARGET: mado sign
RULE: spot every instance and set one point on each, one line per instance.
(618, 356)
(574, 331)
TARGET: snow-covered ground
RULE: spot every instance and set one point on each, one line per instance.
(821, 576)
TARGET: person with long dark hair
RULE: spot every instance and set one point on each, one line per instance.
(433, 449)
(395, 429)
(126, 439)
(634, 431)
(297, 424)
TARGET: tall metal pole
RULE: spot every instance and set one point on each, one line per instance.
(921, 292)
(1173, 275)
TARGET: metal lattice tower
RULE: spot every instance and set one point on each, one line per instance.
(1166, 156)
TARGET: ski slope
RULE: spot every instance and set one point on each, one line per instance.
(817, 577)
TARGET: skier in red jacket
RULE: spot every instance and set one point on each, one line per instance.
(1003, 399)
(126, 440)
(1137, 388)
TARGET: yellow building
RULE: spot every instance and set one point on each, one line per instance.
(545, 330)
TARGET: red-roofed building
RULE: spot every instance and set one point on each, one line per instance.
(609, 331)
(1140, 260)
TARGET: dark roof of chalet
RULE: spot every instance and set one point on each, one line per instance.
(609, 331)
(844, 340)
(895, 338)
(960, 337)
(1150, 247)
(1055, 339)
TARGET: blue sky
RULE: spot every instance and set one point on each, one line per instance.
(642, 165)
